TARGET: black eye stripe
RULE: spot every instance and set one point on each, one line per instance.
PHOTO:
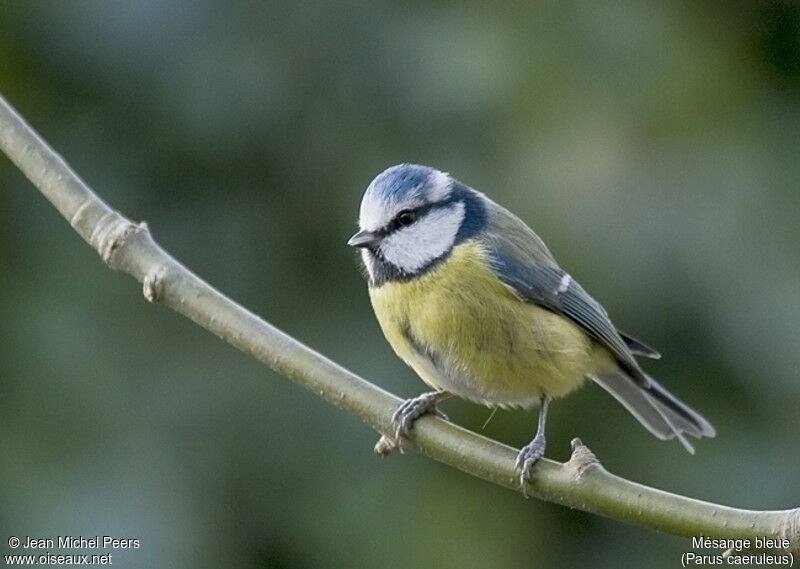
(413, 213)
(418, 213)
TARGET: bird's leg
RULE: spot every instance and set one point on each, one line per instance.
(412, 409)
(534, 450)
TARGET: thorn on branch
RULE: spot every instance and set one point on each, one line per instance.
(581, 461)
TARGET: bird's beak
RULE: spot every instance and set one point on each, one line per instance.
(364, 238)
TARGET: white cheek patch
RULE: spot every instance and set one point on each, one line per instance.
(411, 248)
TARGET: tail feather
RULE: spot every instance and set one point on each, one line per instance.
(686, 417)
(656, 408)
(639, 348)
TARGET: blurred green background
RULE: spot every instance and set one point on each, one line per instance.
(654, 145)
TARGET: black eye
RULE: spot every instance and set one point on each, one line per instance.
(406, 217)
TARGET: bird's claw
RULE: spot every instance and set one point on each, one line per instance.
(412, 409)
(527, 457)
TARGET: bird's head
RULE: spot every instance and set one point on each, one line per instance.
(411, 217)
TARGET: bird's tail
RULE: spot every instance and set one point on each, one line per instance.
(656, 408)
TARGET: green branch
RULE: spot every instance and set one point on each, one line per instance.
(580, 483)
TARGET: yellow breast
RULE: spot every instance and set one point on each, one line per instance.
(464, 331)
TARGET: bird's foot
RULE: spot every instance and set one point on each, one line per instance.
(412, 409)
(527, 457)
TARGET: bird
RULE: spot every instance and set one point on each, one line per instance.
(473, 301)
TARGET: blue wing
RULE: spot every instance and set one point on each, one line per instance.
(521, 261)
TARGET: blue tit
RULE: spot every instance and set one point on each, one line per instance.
(472, 300)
